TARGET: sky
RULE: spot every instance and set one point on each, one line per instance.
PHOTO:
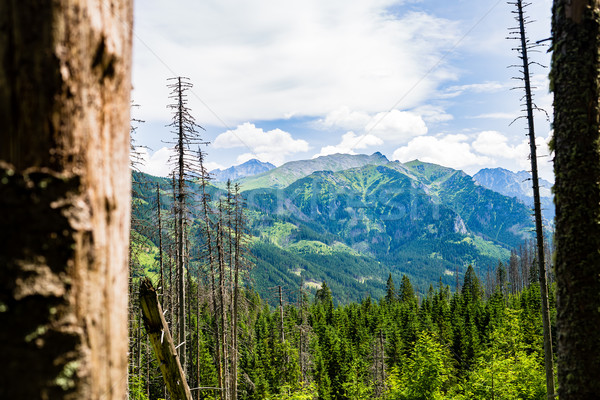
(281, 80)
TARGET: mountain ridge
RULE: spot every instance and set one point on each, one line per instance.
(372, 217)
(518, 184)
(249, 168)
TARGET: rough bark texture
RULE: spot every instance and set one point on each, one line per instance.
(64, 199)
(575, 81)
(162, 343)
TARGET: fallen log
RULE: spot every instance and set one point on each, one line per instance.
(162, 342)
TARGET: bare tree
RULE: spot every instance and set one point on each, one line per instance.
(539, 230)
(64, 198)
(185, 168)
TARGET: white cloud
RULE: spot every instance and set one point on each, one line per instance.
(157, 163)
(493, 143)
(392, 126)
(269, 146)
(496, 146)
(396, 126)
(261, 60)
(211, 166)
(344, 118)
(350, 142)
(451, 151)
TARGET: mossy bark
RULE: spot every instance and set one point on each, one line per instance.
(64, 199)
(576, 85)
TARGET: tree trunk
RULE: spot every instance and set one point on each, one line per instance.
(223, 311)
(539, 230)
(65, 201)
(160, 248)
(576, 86)
(162, 343)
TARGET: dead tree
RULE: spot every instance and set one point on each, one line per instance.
(158, 333)
(65, 198)
(239, 246)
(160, 245)
(529, 106)
(212, 264)
(223, 301)
(185, 168)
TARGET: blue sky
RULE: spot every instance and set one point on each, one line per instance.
(282, 80)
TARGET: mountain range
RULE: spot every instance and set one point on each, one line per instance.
(249, 168)
(518, 184)
(352, 220)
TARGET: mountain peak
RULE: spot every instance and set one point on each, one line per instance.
(289, 172)
(516, 184)
(249, 168)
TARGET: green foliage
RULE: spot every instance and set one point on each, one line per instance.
(352, 220)
(137, 388)
(425, 374)
(507, 367)
(339, 234)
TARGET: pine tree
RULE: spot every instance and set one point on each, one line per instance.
(390, 291)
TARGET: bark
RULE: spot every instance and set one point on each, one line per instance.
(238, 238)
(211, 262)
(575, 82)
(539, 230)
(222, 304)
(162, 343)
(160, 247)
(64, 111)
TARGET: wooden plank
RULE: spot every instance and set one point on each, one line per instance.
(162, 343)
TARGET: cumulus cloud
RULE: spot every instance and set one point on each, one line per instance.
(392, 126)
(344, 118)
(396, 126)
(350, 142)
(157, 163)
(269, 146)
(496, 146)
(487, 149)
(493, 143)
(451, 151)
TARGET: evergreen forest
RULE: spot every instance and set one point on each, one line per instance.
(243, 330)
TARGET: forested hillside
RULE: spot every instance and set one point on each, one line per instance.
(359, 221)
(469, 344)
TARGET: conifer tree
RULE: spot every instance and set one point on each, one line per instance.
(390, 291)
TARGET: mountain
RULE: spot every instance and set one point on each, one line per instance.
(420, 219)
(351, 220)
(288, 173)
(517, 184)
(249, 168)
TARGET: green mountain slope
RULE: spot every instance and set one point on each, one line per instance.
(288, 173)
(353, 226)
